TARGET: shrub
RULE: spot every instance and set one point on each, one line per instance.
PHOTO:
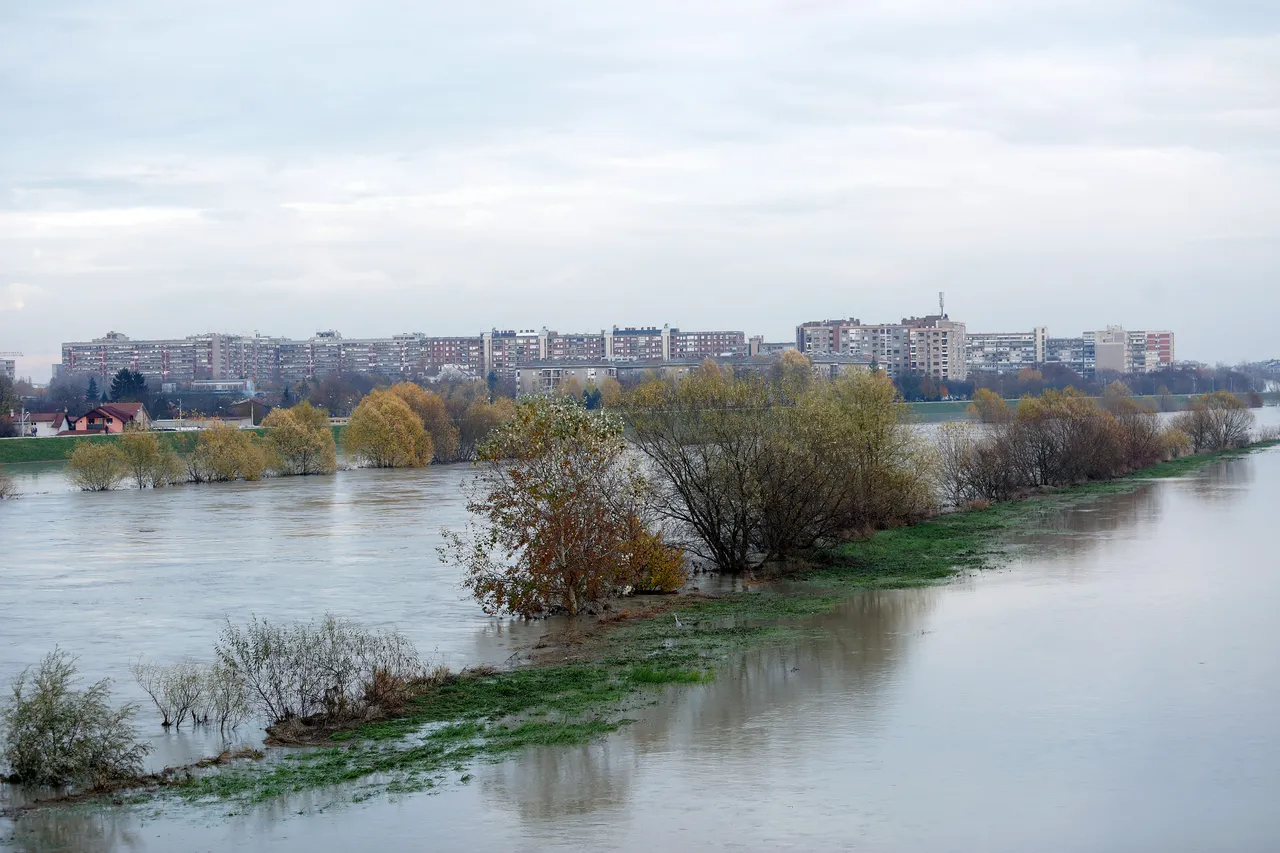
(309, 669)
(96, 466)
(989, 407)
(385, 433)
(957, 446)
(1055, 439)
(147, 461)
(301, 441)
(1216, 421)
(224, 701)
(562, 511)
(224, 453)
(188, 689)
(751, 471)
(434, 414)
(8, 488)
(57, 735)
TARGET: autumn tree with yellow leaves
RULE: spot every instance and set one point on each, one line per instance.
(562, 515)
(384, 432)
(301, 441)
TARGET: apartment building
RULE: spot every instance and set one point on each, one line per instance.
(648, 343)
(1076, 354)
(707, 344)
(887, 344)
(1123, 351)
(937, 347)
(219, 356)
(204, 356)
(1005, 352)
(932, 345)
(1150, 351)
(505, 351)
(466, 351)
(547, 377)
(8, 368)
(584, 347)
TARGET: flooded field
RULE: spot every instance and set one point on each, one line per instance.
(1115, 687)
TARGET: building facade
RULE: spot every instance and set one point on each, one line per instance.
(111, 418)
(1072, 353)
(1005, 352)
(937, 347)
(933, 345)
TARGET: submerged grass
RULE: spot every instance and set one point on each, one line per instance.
(483, 715)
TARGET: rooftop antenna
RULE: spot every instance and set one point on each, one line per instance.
(942, 303)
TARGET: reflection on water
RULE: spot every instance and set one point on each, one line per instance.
(1113, 689)
(110, 576)
(77, 830)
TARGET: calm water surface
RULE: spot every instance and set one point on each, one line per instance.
(1115, 687)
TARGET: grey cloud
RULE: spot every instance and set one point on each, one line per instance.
(440, 167)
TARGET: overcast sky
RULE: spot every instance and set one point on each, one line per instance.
(168, 168)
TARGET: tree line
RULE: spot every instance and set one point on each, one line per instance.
(740, 472)
(401, 426)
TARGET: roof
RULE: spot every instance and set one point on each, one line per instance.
(46, 417)
(123, 411)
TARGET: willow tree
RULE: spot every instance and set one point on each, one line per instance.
(96, 466)
(990, 407)
(224, 453)
(384, 432)
(301, 440)
(561, 515)
(432, 410)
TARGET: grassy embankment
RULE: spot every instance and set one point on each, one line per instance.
(584, 688)
(57, 449)
(945, 410)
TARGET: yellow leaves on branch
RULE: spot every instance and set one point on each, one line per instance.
(432, 410)
(384, 432)
(301, 441)
(561, 515)
(224, 453)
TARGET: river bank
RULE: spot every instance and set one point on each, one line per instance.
(14, 451)
(583, 681)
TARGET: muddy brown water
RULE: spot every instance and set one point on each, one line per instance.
(1115, 687)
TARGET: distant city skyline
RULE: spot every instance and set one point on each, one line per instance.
(385, 167)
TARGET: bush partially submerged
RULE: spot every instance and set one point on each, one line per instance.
(1062, 437)
(562, 515)
(301, 441)
(96, 467)
(54, 734)
(189, 690)
(333, 669)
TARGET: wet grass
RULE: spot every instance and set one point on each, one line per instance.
(58, 448)
(488, 716)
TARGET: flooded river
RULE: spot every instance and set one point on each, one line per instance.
(1115, 687)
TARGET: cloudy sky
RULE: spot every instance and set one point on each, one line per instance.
(377, 167)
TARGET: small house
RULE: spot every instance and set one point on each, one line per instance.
(111, 418)
(45, 424)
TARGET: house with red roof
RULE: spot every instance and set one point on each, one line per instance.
(110, 418)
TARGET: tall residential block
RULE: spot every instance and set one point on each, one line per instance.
(933, 345)
(1005, 352)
